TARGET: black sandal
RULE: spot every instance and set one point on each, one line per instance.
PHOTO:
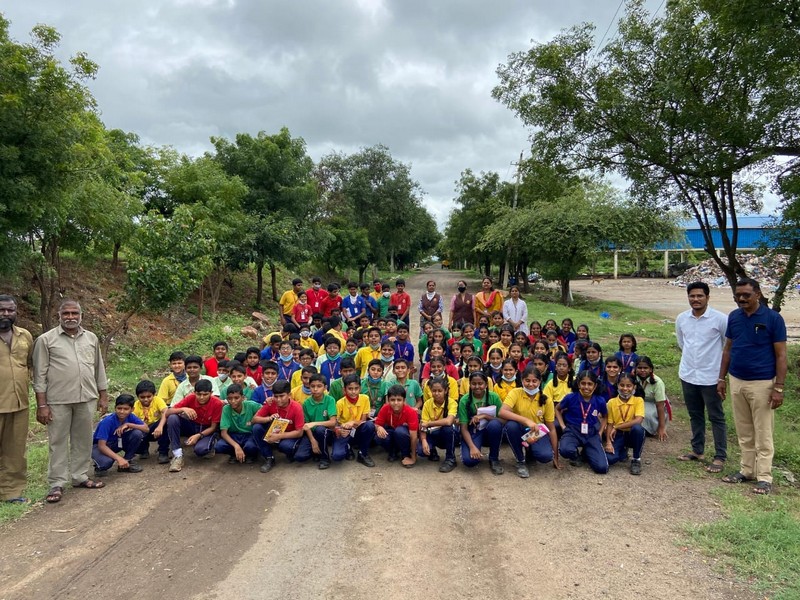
(737, 477)
(54, 495)
(763, 488)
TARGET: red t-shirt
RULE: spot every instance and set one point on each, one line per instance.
(257, 374)
(450, 370)
(302, 312)
(328, 304)
(293, 412)
(315, 299)
(211, 365)
(402, 301)
(208, 413)
(387, 418)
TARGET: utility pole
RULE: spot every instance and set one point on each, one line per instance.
(513, 208)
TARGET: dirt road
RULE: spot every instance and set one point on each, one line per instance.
(216, 531)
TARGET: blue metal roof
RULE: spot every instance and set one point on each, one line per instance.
(754, 232)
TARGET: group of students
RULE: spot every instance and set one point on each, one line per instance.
(330, 388)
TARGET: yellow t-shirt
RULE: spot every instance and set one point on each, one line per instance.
(432, 412)
(621, 412)
(287, 302)
(503, 388)
(527, 406)
(463, 386)
(499, 346)
(347, 411)
(167, 388)
(151, 414)
(363, 358)
(298, 395)
(310, 343)
(452, 390)
(556, 389)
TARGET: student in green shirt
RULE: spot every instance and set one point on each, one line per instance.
(412, 387)
(348, 367)
(238, 375)
(478, 430)
(236, 428)
(319, 412)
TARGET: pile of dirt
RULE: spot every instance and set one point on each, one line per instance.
(767, 270)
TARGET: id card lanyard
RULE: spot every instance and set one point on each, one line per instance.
(585, 424)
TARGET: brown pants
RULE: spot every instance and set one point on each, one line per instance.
(755, 420)
(13, 465)
(70, 437)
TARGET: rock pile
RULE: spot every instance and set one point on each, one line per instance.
(767, 270)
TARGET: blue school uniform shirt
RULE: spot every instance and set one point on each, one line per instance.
(572, 407)
(285, 371)
(331, 369)
(404, 350)
(372, 307)
(628, 361)
(266, 354)
(752, 354)
(261, 393)
(353, 306)
(598, 369)
(108, 424)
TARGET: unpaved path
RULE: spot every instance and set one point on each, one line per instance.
(216, 531)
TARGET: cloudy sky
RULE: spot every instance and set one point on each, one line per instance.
(415, 75)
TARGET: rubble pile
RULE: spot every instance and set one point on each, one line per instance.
(767, 270)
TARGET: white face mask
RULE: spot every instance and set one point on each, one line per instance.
(222, 376)
(305, 334)
(386, 294)
(531, 392)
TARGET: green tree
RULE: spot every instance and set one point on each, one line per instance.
(691, 107)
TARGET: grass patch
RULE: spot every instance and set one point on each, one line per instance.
(759, 540)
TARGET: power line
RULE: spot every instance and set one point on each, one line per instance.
(603, 39)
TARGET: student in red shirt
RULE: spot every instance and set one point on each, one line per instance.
(196, 416)
(301, 312)
(253, 365)
(396, 427)
(315, 294)
(401, 300)
(332, 300)
(220, 353)
(283, 407)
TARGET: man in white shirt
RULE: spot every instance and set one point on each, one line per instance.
(701, 337)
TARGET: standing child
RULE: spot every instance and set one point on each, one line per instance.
(582, 416)
(402, 301)
(657, 410)
(287, 438)
(121, 427)
(525, 409)
(627, 352)
(397, 426)
(177, 375)
(437, 428)
(354, 426)
(193, 365)
(624, 428)
(314, 296)
(301, 312)
(236, 427)
(478, 417)
(196, 416)
(149, 408)
(319, 412)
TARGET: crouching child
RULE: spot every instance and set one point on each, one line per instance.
(120, 428)
(197, 417)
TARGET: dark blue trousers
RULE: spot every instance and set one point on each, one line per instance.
(245, 440)
(540, 451)
(362, 439)
(491, 435)
(131, 440)
(179, 426)
(163, 441)
(323, 436)
(592, 449)
(445, 438)
(397, 441)
(288, 447)
(633, 438)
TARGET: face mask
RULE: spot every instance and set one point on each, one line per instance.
(181, 376)
(375, 346)
(349, 354)
(317, 286)
(625, 395)
(462, 289)
(508, 379)
(387, 359)
(372, 379)
(456, 333)
(306, 390)
(305, 334)
(386, 294)
(223, 376)
(531, 391)
(494, 367)
(286, 357)
(378, 288)
(332, 356)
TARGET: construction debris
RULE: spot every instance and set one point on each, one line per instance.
(767, 270)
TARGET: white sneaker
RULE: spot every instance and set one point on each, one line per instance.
(176, 465)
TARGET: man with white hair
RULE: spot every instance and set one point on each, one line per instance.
(69, 380)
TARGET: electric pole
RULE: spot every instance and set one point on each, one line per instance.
(513, 208)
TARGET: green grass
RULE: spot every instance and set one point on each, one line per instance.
(759, 539)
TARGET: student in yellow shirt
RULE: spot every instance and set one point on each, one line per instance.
(473, 364)
(289, 299)
(561, 384)
(506, 339)
(370, 352)
(149, 408)
(302, 392)
(353, 425)
(437, 366)
(305, 357)
(624, 428)
(306, 341)
(177, 375)
(437, 426)
(525, 409)
(509, 379)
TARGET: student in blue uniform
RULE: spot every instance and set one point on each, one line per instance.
(582, 416)
(627, 352)
(121, 427)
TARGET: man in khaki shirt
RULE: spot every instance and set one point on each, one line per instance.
(16, 353)
(69, 379)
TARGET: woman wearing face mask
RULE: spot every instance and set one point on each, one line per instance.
(526, 408)
(461, 306)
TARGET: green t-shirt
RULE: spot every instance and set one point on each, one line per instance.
(413, 392)
(383, 306)
(375, 391)
(336, 389)
(315, 412)
(246, 392)
(465, 412)
(237, 422)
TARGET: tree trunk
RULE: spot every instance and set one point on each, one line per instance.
(109, 337)
(273, 275)
(115, 256)
(47, 275)
(391, 260)
(786, 277)
(362, 269)
(215, 280)
(566, 292)
(487, 267)
(259, 283)
(200, 303)
(525, 285)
